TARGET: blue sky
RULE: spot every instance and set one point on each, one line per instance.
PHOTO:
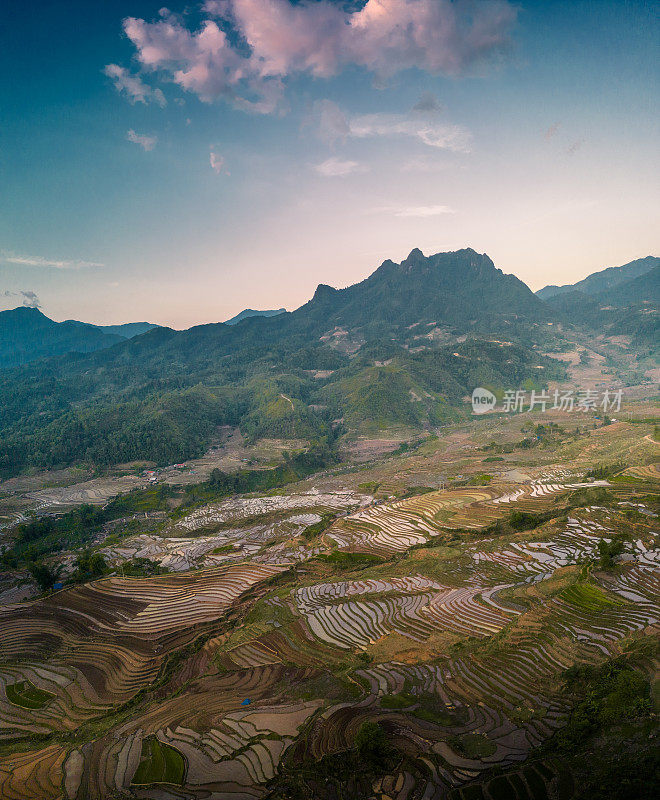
(150, 173)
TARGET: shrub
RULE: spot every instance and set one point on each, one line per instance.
(609, 551)
(371, 742)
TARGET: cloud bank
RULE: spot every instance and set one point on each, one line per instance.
(244, 50)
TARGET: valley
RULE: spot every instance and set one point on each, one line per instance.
(441, 595)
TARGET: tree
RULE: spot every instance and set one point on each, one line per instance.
(608, 552)
(89, 566)
(44, 575)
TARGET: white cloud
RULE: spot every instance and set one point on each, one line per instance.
(217, 162)
(135, 89)
(243, 50)
(338, 168)
(146, 142)
(38, 261)
(432, 134)
(329, 122)
(424, 211)
(333, 125)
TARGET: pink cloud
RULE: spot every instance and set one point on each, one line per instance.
(146, 142)
(552, 131)
(217, 163)
(318, 38)
(201, 62)
(284, 38)
(385, 36)
(574, 146)
(133, 86)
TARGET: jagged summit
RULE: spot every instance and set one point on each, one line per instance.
(466, 257)
(323, 290)
(459, 288)
(414, 258)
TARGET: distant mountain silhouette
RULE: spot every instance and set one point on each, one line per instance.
(605, 279)
(26, 335)
(251, 312)
(127, 330)
(630, 308)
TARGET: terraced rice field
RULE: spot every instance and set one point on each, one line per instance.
(649, 473)
(413, 607)
(97, 645)
(212, 683)
(391, 528)
(236, 509)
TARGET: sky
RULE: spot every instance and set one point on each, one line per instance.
(178, 164)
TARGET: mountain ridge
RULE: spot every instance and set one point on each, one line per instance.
(630, 308)
(604, 279)
(27, 334)
(644, 288)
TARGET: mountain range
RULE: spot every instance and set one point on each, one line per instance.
(26, 335)
(402, 347)
(604, 280)
(627, 306)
